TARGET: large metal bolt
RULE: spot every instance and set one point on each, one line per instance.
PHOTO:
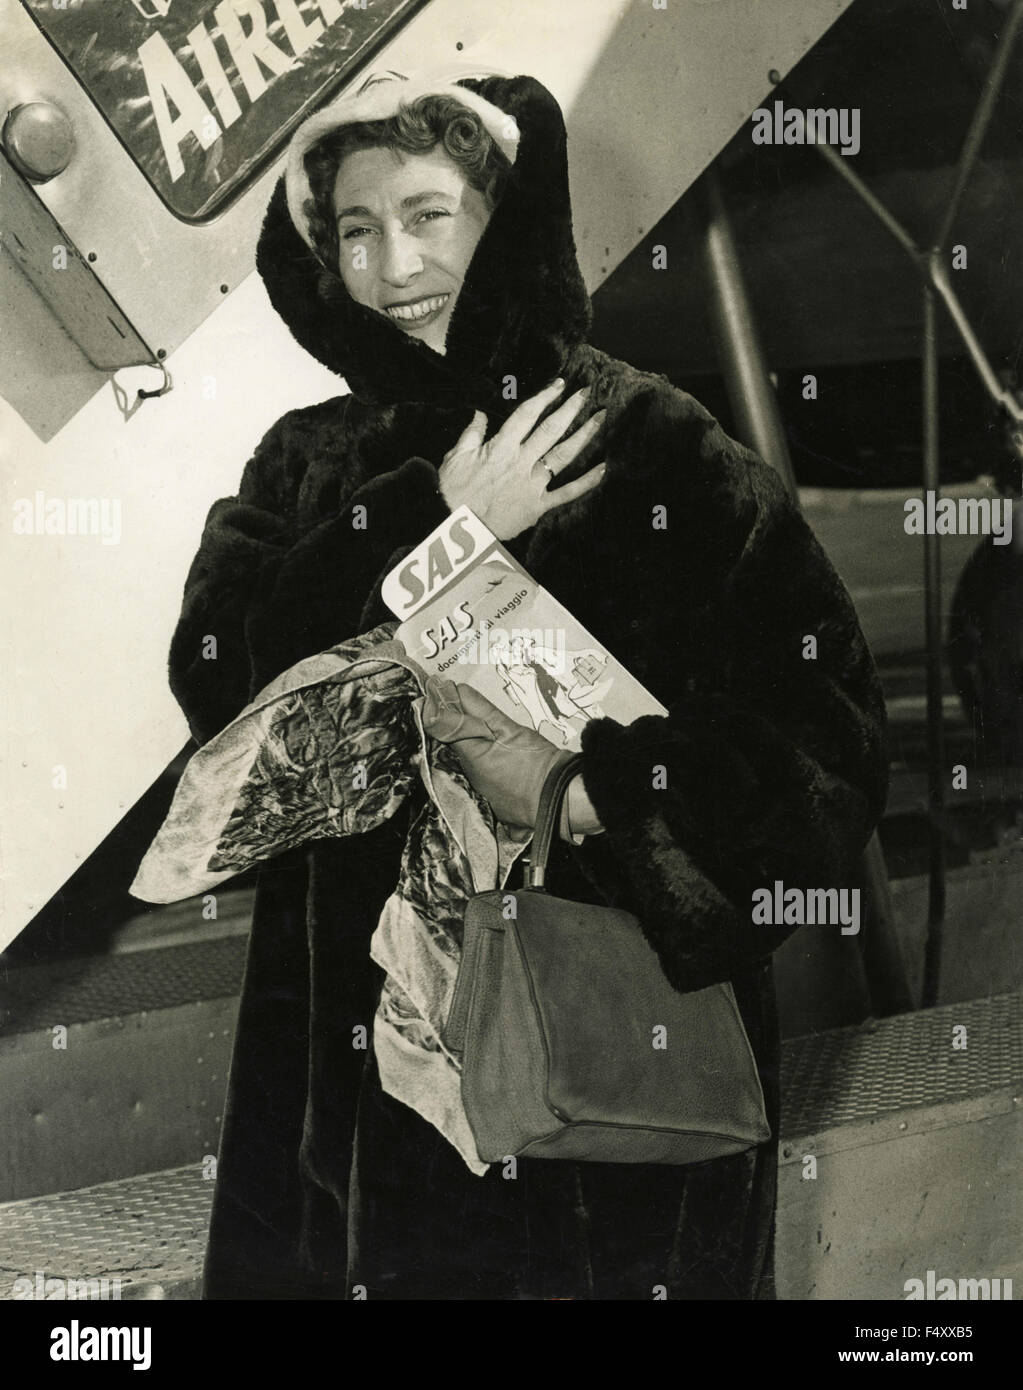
(39, 140)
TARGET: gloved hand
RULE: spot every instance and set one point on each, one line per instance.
(503, 760)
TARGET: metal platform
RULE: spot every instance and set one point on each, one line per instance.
(115, 1065)
(101, 987)
(145, 1236)
(901, 1153)
(887, 1069)
(879, 1106)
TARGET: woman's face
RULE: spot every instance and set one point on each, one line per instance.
(408, 225)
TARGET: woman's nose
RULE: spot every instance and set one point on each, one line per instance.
(401, 259)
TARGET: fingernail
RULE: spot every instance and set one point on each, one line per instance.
(557, 384)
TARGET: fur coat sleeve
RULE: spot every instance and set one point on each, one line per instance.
(272, 590)
(771, 763)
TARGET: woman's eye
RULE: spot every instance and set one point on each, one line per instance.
(352, 232)
(431, 213)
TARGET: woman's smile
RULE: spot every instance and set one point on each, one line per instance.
(417, 311)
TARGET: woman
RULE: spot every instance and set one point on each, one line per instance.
(460, 328)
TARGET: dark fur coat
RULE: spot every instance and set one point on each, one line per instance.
(775, 765)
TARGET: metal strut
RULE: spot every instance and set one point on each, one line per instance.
(929, 266)
(758, 422)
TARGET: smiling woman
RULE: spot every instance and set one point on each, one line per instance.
(421, 247)
(398, 206)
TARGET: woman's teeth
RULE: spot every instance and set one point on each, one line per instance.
(419, 310)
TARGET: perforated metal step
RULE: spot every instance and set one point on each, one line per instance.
(904, 1074)
(141, 1237)
(853, 1086)
(98, 987)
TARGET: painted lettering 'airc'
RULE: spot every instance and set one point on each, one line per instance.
(258, 60)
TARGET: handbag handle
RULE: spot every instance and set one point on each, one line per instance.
(547, 815)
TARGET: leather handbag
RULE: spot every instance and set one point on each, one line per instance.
(574, 1045)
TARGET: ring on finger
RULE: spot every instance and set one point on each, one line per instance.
(551, 475)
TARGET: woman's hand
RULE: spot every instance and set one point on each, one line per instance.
(505, 480)
(505, 762)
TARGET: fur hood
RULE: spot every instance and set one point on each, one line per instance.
(380, 96)
(523, 305)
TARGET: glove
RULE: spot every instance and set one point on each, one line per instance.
(503, 760)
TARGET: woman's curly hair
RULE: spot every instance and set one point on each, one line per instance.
(417, 128)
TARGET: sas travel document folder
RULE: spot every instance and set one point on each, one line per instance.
(470, 613)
